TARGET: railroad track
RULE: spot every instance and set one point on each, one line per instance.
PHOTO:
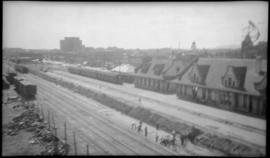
(109, 140)
(114, 149)
(99, 148)
(238, 125)
(235, 124)
(117, 129)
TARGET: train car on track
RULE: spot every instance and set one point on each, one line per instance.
(107, 76)
(21, 68)
(127, 77)
(24, 88)
(27, 90)
(89, 73)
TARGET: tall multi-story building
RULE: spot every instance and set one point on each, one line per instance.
(70, 44)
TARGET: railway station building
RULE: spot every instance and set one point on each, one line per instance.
(234, 84)
(228, 83)
(156, 74)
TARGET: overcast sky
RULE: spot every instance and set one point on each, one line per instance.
(38, 25)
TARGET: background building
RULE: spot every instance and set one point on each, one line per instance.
(70, 44)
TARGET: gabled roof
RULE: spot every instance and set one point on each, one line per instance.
(217, 69)
(155, 68)
(164, 69)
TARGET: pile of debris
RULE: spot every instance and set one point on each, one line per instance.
(31, 122)
(53, 145)
(27, 120)
(230, 147)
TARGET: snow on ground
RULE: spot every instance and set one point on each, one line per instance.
(226, 129)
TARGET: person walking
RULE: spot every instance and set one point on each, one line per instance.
(173, 139)
(157, 132)
(140, 127)
(145, 131)
(156, 136)
(182, 137)
(157, 126)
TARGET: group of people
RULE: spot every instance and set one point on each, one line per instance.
(171, 141)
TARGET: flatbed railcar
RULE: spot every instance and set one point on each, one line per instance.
(107, 76)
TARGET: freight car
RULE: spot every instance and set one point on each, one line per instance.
(24, 88)
(127, 77)
(27, 90)
(106, 76)
(21, 69)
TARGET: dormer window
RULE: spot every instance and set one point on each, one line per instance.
(158, 68)
(230, 82)
(199, 73)
(234, 77)
(145, 68)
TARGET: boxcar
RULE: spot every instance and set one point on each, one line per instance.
(127, 77)
(74, 70)
(21, 69)
(27, 89)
